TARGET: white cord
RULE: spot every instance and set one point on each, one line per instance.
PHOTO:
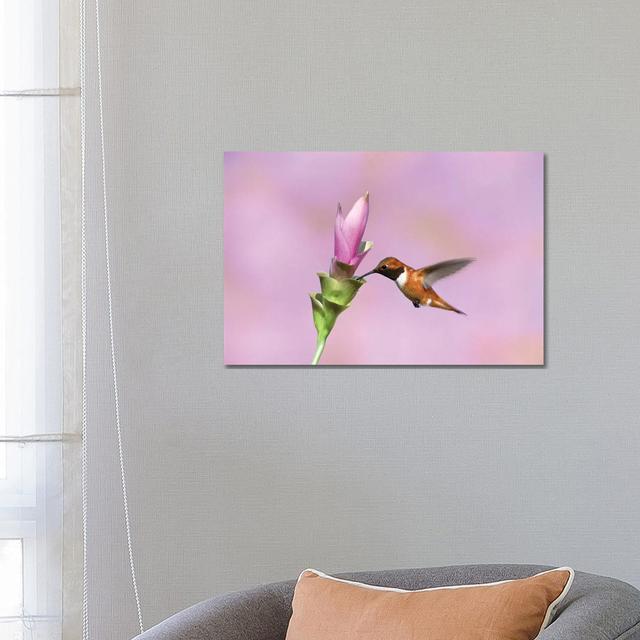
(113, 351)
(83, 288)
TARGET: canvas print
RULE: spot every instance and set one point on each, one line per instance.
(384, 258)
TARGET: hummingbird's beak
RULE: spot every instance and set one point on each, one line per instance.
(362, 277)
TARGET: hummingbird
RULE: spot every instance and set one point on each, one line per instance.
(416, 284)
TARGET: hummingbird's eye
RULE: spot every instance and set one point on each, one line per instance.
(384, 266)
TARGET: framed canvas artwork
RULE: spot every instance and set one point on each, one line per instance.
(384, 258)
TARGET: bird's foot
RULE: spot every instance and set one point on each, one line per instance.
(416, 304)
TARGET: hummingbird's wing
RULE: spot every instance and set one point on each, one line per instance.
(441, 270)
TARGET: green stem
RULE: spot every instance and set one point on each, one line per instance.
(319, 350)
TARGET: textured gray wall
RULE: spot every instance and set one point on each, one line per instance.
(239, 476)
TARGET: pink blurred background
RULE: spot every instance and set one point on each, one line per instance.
(279, 212)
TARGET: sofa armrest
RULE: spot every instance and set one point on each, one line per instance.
(597, 608)
(259, 614)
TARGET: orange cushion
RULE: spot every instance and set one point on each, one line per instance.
(326, 608)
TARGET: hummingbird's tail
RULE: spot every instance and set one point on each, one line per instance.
(451, 308)
(436, 301)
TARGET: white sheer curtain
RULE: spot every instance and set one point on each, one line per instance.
(38, 373)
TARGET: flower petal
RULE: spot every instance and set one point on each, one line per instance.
(363, 249)
(341, 249)
(355, 223)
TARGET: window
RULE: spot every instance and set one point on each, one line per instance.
(32, 206)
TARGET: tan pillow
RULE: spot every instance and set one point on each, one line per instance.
(326, 608)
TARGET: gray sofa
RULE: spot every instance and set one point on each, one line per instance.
(596, 608)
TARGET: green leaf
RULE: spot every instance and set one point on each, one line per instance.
(341, 292)
(320, 319)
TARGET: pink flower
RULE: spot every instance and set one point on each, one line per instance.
(349, 249)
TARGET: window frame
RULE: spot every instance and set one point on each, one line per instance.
(40, 498)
